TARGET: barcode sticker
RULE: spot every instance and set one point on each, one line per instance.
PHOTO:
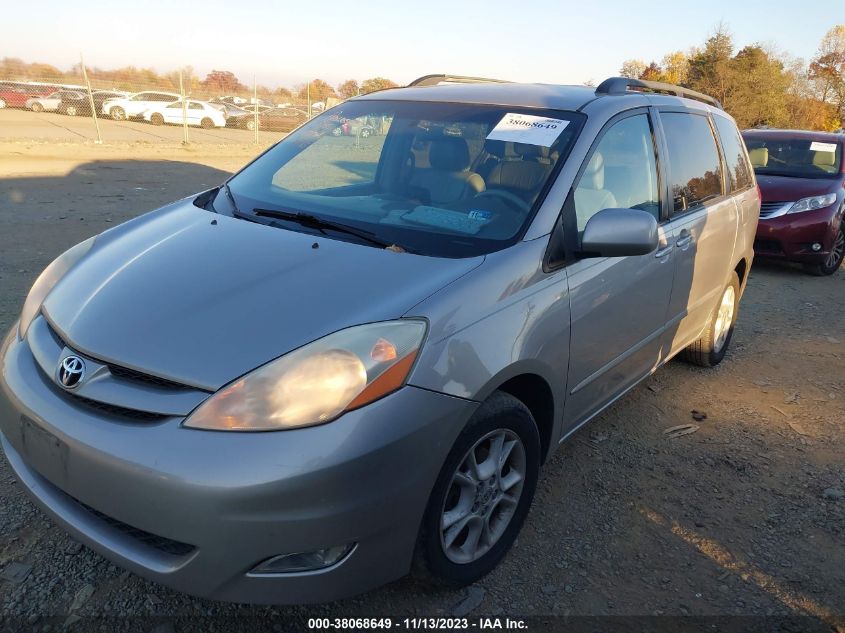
(528, 129)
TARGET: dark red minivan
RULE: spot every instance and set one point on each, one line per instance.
(802, 179)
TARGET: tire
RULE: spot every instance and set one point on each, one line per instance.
(70, 110)
(710, 349)
(207, 123)
(365, 132)
(2, 103)
(834, 259)
(156, 119)
(458, 563)
(337, 131)
(250, 125)
(37, 107)
(117, 113)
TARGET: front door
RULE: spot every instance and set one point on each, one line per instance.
(618, 304)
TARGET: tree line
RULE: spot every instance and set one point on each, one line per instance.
(215, 83)
(758, 85)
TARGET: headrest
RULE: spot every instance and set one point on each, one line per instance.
(520, 175)
(759, 156)
(451, 154)
(824, 159)
(495, 148)
(531, 151)
(593, 177)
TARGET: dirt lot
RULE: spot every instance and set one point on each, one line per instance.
(744, 517)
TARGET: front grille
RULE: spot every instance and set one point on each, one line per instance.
(161, 543)
(768, 208)
(115, 410)
(131, 374)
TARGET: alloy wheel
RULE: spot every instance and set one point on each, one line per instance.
(724, 318)
(837, 251)
(482, 496)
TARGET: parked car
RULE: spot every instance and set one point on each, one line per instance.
(354, 127)
(235, 116)
(15, 94)
(802, 178)
(277, 119)
(252, 107)
(198, 113)
(101, 96)
(290, 387)
(135, 106)
(74, 103)
(47, 103)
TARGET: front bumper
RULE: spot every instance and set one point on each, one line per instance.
(791, 236)
(197, 510)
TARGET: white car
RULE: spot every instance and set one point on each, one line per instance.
(136, 105)
(197, 112)
(50, 103)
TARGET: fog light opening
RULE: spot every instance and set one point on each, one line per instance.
(304, 561)
(816, 247)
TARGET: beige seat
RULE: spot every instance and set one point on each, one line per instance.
(448, 179)
(759, 156)
(522, 177)
(825, 161)
(590, 195)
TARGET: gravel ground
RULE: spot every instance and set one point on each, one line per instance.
(744, 517)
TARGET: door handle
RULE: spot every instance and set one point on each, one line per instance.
(684, 240)
(663, 252)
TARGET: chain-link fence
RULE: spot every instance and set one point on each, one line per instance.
(131, 104)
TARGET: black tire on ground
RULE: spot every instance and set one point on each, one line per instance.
(70, 110)
(156, 118)
(207, 123)
(365, 132)
(250, 125)
(37, 107)
(834, 261)
(500, 411)
(117, 113)
(337, 131)
(704, 352)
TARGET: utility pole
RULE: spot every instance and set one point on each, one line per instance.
(255, 106)
(184, 111)
(90, 100)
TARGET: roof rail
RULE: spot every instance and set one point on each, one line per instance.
(623, 85)
(433, 80)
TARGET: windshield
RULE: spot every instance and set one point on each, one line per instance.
(442, 179)
(800, 158)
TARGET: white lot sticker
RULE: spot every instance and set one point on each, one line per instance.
(527, 128)
(816, 146)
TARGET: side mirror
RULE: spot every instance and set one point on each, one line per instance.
(619, 233)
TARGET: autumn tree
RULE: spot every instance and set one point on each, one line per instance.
(222, 82)
(377, 83)
(320, 90)
(652, 72)
(675, 67)
(348, 89)
(827, 69)
(632, 68)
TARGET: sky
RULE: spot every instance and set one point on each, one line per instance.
(287, 43)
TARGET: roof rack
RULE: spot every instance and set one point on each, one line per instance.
(433, 80)
(623, 85)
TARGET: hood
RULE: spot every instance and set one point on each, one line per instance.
(788, 189)
(179, 296)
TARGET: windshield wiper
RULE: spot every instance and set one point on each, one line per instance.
(316, 222)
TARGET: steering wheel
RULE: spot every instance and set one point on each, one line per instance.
(507, 197)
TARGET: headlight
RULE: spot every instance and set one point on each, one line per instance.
(811, 204)
(318, 382)
(47, 279)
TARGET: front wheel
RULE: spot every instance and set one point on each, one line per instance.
(207, 123)
(37, 107)
(250, 125)
(710, 348)
(118, 113)
(834, 259)
(70, 110)
(157, 119)
(482, 494)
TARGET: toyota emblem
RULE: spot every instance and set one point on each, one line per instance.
(71, 372)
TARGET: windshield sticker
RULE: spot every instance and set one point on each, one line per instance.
(470, 223)
(816, 146)
(528, 129)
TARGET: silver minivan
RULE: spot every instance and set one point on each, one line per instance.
(353, 357)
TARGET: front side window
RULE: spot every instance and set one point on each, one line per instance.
(620, 173)
(141, 96)
(695, 174)
(441, 179)
(736, 160)
(794, 157)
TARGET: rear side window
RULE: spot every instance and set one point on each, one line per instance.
(736, 161)
(694, 169)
